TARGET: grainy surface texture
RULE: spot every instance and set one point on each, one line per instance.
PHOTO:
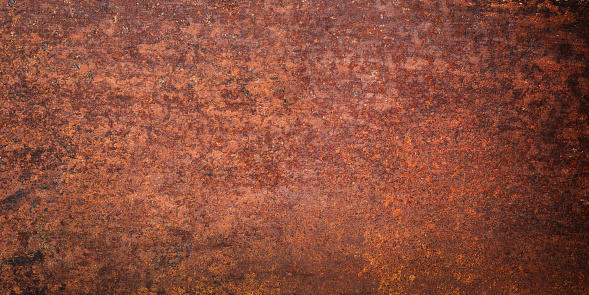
(294, 147)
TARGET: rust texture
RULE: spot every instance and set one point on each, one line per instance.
(294, 147)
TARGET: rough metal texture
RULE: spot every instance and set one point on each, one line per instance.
(294, 147)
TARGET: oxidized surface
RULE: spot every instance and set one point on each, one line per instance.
(294, 147)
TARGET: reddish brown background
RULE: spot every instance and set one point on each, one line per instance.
(294, 147)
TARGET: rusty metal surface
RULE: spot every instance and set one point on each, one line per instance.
(294, 147)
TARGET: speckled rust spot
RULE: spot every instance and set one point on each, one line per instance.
(294, 147)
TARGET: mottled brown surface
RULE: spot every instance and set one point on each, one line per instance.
(294, 147)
